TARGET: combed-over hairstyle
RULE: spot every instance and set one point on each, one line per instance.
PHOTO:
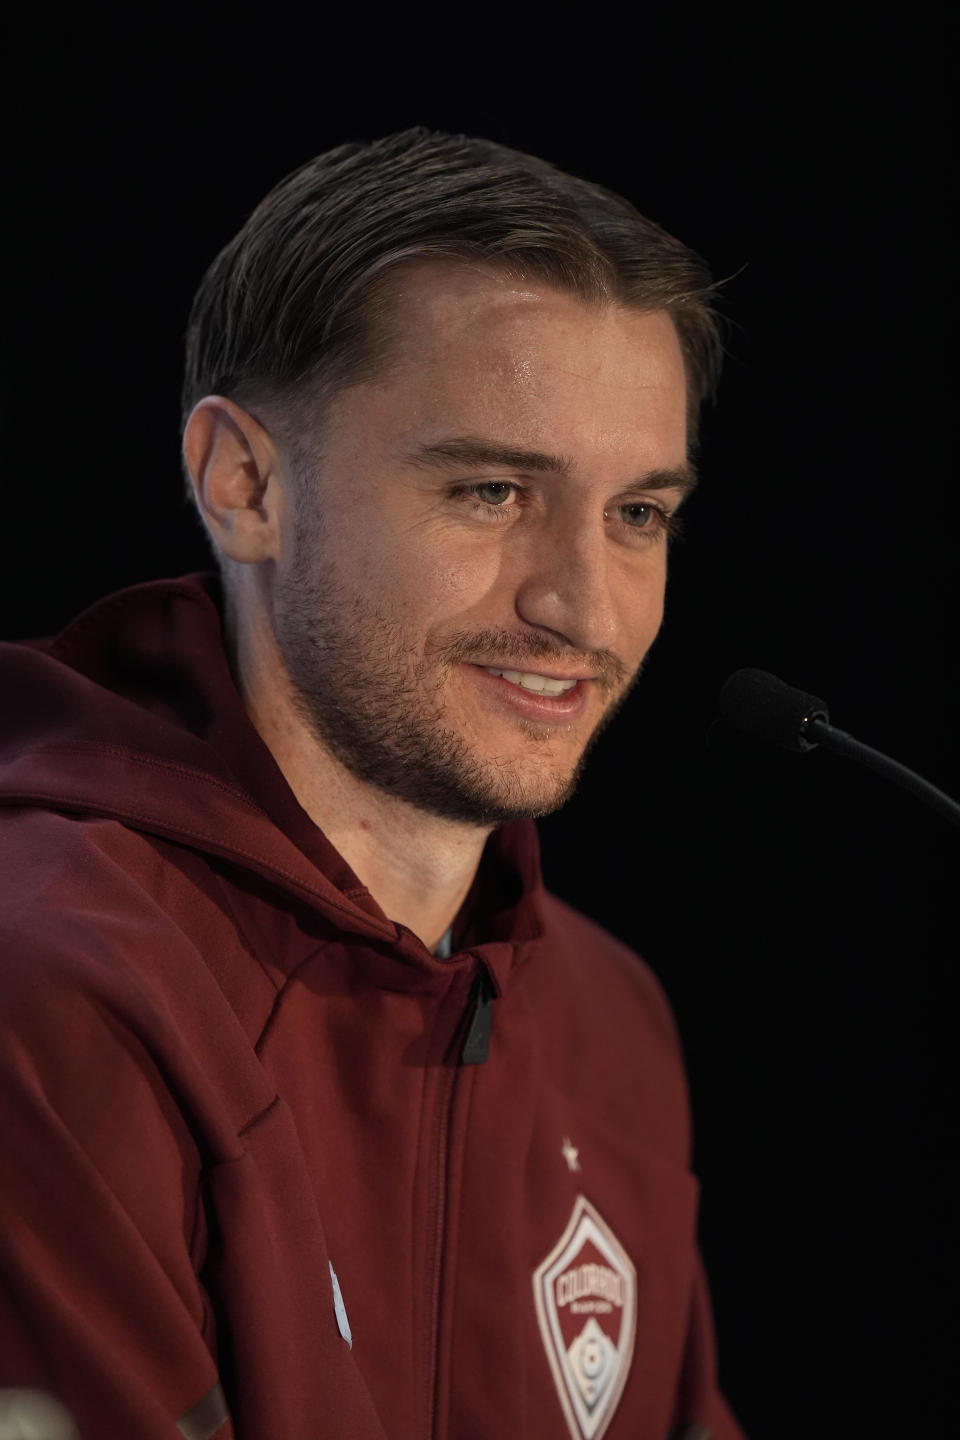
(298, 305)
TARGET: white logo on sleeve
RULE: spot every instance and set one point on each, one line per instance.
(586, 1297)
(339, 1309)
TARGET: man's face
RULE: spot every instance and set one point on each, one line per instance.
(406, 577)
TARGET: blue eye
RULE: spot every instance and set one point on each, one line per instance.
(498, 491)
(651, 512)
(503, 487)
(663, 523)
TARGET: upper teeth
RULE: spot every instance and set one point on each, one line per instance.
(540, 684)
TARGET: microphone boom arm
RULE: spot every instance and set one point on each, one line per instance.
(821, 732)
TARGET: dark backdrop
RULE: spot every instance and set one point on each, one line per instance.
(798, 913)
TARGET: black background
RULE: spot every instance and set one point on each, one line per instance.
(798, 912)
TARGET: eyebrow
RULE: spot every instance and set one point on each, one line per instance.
(475, 452)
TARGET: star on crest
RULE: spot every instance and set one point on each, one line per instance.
(570, 1153)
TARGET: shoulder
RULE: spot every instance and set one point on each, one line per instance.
(601, 968)
(131, 910)
(79, 937)
(70, 897)
(52, 859)
(84, 931)
(87, 1055)
(606, 1027)
(107, 1002)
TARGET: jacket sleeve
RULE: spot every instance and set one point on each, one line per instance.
(702, 1412)
(100, 1304)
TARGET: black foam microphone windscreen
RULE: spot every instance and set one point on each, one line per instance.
(763, 706)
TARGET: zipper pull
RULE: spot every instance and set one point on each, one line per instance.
(476, 1046)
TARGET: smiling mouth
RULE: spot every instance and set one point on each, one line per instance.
(544, 699)
(535, 683)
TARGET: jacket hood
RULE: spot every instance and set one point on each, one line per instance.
(131, 713)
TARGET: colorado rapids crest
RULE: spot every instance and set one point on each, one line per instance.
(586, 1298)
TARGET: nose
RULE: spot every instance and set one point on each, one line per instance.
(569, 583)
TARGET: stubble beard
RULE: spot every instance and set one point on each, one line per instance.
(363, 694)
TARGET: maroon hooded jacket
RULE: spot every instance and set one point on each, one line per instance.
(271, 1169)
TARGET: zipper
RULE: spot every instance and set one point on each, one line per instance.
(439, 1220)
(476, 1044)
(472, 1051)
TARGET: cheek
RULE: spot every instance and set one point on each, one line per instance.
(422, 561)
(439, 583)
(644, 613)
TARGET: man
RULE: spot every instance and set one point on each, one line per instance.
(325, 1118)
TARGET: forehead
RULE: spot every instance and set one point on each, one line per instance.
(477, 348)
(449, 311)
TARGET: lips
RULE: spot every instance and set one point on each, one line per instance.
(532, 681)
(559, 709)
(501, 668)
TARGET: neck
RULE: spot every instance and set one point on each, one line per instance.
(418, 867)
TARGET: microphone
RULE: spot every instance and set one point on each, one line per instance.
(760, 705)
(767, 709)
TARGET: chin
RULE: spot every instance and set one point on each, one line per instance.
(522, 801)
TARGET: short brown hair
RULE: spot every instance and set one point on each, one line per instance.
(297, 306)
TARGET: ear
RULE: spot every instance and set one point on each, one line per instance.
(235, 470)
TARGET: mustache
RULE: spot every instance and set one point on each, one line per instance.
(468, 647)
